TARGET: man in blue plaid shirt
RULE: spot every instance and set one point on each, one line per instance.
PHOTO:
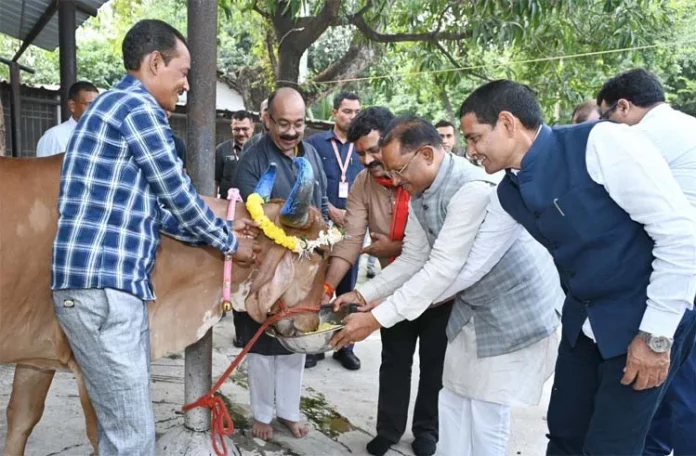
(121, 184)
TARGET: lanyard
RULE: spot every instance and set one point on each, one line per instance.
(343, 166)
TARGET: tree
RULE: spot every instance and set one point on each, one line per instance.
(442, 33)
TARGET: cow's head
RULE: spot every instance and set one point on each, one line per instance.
(281, 274)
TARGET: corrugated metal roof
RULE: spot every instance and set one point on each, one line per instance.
(18, 17)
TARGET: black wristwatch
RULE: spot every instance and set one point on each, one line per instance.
(658, 344)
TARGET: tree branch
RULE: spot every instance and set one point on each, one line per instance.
(442, 16)
(455, 63)
(264, 14)
(314, 27)
(359, 22)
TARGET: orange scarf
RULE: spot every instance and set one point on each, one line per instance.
(400, 216)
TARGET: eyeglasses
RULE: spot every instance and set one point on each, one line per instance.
(400, 173)
(284, 125)
(605, 115)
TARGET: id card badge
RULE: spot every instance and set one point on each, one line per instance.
(343, 190)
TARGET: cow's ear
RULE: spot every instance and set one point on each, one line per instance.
(264, 187)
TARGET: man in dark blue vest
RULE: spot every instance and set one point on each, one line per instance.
(602, 200)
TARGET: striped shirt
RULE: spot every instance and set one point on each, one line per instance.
(122, 183)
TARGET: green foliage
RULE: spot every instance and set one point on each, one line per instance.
(521, 39)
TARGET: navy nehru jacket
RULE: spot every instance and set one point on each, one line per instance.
(322, 142)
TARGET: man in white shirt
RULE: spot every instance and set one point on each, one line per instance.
(55, 139)
(586, 111)
(601, 199)
(636, 97)
(504, 317)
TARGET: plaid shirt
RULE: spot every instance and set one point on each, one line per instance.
(120, 185)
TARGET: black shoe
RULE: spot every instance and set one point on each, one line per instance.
(378, 446)
(423, 446)
(320, 356)
(347, 359)
(237, 342)
(310, 361)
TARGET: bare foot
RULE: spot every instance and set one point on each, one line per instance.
(261, 430)
(299, 430)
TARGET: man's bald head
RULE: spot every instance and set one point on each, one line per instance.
(285, 96)
(585, 112)
(286, 118)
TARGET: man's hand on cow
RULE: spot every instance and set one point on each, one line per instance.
(247, 227)
(358, 327)
(246, 252)
(382, 247)
(352, 297)
(337, 215)
(645, 368)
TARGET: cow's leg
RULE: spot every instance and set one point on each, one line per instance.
(87, 408)
(26, 406)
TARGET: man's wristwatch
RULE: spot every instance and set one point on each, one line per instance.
(658, 344)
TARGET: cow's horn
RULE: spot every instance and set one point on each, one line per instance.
(295, 212)
(265, 184)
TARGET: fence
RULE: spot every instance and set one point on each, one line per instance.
(41, 111)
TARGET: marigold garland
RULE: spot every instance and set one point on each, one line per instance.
(254, 205)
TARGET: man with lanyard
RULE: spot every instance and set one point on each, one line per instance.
(341, 166)
(227, 153)
(121, 183)
(375, 203)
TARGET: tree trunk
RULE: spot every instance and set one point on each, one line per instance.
(288, 66)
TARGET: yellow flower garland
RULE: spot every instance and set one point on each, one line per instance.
(254, 205)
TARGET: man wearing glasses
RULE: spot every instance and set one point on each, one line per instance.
(636, 97)
(228, 153)
(459, 242)
(275, 374)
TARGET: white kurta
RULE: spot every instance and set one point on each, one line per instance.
(512, 379)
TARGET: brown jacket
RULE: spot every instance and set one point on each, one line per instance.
(370, 205)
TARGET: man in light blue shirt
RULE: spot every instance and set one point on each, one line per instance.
(55, 139)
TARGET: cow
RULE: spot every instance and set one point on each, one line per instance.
(187, 281)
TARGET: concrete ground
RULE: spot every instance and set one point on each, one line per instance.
(340, 407)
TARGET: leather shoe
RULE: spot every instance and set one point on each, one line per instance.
(237, 342)
(347, 359)
(310, 361)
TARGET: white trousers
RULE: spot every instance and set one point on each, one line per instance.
(275, 379)
(469, 427)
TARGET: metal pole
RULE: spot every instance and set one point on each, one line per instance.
(200, 126)
(15, 109)
(68, 46)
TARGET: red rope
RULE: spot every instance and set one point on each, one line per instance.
(222, 424)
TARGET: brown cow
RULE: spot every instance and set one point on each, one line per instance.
(187, 280)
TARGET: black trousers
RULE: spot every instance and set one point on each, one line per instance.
(398, 347)
(591, 413)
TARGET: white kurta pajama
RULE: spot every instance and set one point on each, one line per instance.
(276, 380)
(474, 407)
